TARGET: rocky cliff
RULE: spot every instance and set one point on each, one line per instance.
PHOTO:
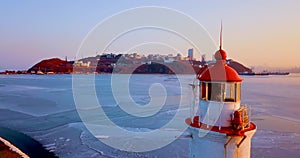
(54, 65)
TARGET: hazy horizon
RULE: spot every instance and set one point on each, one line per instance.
(256, 33)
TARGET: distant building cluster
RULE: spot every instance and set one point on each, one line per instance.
(106, 62)
(135, 58)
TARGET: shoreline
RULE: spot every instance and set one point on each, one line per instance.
(24, 143)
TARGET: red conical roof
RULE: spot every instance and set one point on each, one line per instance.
(220, 71)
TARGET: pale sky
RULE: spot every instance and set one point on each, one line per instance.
(255, 33)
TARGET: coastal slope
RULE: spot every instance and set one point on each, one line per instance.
(58, 66)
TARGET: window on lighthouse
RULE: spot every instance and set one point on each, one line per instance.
(221, 92)
(232, 92)
(215, 91)
(229, 93)
(238, 92)
(211, 91)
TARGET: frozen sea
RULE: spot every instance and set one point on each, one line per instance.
(45, 108)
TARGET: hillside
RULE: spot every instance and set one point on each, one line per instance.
(238, 67)
(55, 65)
(58, 66)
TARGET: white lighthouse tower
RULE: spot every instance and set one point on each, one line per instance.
(220, 126)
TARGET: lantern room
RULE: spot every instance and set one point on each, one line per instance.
(219, 82)
(219, 92)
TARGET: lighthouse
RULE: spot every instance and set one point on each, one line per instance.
(220, 126)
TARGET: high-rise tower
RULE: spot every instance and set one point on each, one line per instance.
(191, 54)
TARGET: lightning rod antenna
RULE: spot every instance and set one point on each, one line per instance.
(221, 32)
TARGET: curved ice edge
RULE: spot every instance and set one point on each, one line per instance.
(32, 114)
(13, 148)
(102, 136)
(86, 138)
(82, 137)
(93, 107)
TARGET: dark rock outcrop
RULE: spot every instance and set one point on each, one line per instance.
(239, 68)
(55, 65)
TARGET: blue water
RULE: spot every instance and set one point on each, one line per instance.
(44, 108)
